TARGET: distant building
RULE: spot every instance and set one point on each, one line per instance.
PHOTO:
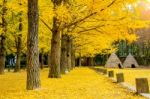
(113, 62)
(130, 62)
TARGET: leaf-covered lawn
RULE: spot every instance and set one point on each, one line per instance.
(81, 83)
(130, 74)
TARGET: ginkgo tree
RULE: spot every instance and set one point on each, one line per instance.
(16, 36)
(108, 17)
(85, 16)
(65, 29)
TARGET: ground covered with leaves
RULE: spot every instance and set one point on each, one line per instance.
(81, 83)
(130, 74)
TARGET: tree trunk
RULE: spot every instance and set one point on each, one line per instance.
(42, 60)
(49, 59)
(55, 51)
(90, 61)
(17, 67)
(80, 62)
(18, 45)
(2, 54)
(72, 55)
(33, 73)
(63, 60)
(54, 71)
(69, 65)
(2, 37)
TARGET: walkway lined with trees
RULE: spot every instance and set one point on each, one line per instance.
(65, 34)
(81, 83)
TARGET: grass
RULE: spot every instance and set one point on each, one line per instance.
(81, 83)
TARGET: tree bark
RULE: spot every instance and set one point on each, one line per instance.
(54, 71)
(63, 60)
(18, 45)
(3, 37)
(2, 54)
(17, 67)
(69, 65)
(55, 51)
(72, 55)
(33, 73)
(49, 59)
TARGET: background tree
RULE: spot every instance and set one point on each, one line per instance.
(3, 35)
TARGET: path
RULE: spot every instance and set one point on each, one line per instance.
(81, 83)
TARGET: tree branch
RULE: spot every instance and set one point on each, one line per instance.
(88, 16)
(93, 28)
(46, 24)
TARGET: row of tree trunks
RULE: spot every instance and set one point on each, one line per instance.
(3, 37)
(18, 46)
(66, 59)
(88, 61)
(62, 58)
(67, 54)
(33, 71)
